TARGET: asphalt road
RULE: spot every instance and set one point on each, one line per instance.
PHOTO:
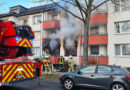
(32, 85)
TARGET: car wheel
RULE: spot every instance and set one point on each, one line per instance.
(68, 84)
(118, 86)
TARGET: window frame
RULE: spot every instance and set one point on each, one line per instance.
(96, 48)
(36, 17)
(121, 50)
(120, 27)
(35, 51)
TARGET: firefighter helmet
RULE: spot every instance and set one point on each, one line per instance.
(70, 56)
(47, 57)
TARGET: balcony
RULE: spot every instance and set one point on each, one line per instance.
(51, 24)
(98, 18)
(96, 40)
(95, 60)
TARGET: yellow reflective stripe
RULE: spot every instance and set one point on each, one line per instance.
(19, 40)
(25, 45)
(28, 43)
(30, 67)
(22, 42)
(9, 73)
(25, 71)
(12, 74)
(4, 66)
(9, 66)
(25, 41)
(28, 70)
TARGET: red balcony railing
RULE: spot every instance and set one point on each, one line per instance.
(96, 40)
(51, 24)
(95, 60)
(98, 18)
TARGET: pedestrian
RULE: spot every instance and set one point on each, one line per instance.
(61, 63)
(47, 64)
(71, 64)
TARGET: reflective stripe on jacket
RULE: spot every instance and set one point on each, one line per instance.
(61, 59)
(46, 62)
(71, 62)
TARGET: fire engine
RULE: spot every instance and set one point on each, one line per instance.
(16, 41)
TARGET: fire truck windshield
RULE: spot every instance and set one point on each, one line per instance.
(24, 32)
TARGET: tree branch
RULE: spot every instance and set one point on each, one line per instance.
(81, 9)
(70, 3)
(99, 5)
(67, 10)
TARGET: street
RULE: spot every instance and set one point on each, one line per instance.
(32, 85)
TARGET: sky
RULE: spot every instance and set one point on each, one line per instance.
(6, 4)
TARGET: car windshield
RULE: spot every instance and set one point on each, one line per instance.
(126, 69)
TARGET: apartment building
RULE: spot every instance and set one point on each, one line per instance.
(46, 22)
(119, 33)
(34, 17)
(98, 39)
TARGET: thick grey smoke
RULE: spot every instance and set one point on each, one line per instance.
(70, 28)
(53, 43)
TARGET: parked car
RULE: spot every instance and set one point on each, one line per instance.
(107, 77)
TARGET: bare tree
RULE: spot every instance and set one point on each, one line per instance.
(85, 7)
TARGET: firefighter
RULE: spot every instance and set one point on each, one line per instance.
(61, 63)
(41, 60)
(71, 64)
(47, 67)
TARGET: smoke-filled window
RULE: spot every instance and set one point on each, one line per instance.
(70, 46)
(52, 46)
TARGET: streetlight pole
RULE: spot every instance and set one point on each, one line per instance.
(41, 25)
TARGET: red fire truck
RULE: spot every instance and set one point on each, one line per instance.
(16, 41)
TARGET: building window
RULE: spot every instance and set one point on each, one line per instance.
(37, 35)
(25, 22)
(94, 50)
(122, 27)
(52, 46)
(122, 5)
(94, 30)
(36, 51)
(36, 19)
(122, 50)
(52, 15)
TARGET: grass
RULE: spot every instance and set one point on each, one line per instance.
(50, 77)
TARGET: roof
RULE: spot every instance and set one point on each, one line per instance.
(31, 10)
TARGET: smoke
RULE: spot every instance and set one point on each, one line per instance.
(53, 43)
(70, 29)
